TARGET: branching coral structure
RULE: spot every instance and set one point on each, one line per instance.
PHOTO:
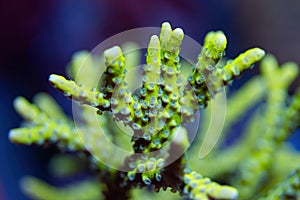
(156, 115)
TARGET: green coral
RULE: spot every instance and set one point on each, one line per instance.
(155, 116)
(85, 190)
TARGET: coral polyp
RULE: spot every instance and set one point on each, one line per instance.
(157, 115)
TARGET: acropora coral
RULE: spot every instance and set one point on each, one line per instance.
(157, 115)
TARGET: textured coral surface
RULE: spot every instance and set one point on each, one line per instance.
(152, 124)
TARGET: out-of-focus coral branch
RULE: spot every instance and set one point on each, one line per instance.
(39, 190)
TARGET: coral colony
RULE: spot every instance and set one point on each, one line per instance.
(261, 164)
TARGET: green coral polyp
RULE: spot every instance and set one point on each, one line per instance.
(44, 129)
(162, 64)
(156, 114)
(200, 188)
(80, 93)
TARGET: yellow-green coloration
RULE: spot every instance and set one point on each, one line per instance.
(200, 188)
(68, 165)
(286, 190)
(138, 112)
(241, 63)
(154, 116)
(78, 92)
(37, 189)
(254, 168)
(260, 158)
(43, 127)
(214, 44)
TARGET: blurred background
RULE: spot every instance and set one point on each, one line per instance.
(38, 38)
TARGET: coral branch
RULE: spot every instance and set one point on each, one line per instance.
(153, 122)
(42, 129)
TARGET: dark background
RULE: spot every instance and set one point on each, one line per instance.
(38, 38)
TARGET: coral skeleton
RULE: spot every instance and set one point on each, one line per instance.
(152, 124)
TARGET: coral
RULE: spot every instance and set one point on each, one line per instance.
(157, 116)
(85, 190)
